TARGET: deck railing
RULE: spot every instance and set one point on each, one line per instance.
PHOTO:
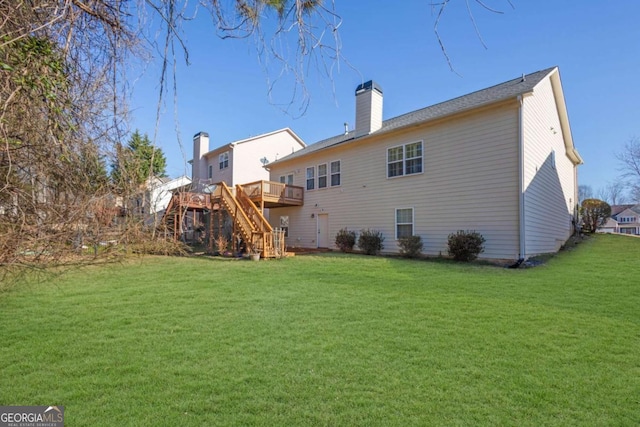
(274, 192)
(194, 200)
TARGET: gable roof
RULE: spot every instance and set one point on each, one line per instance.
(503, 91)
(617, 210)
(230, 145)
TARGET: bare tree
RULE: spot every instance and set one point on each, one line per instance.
(63, 92)
(584, 192)
(440, 8)
(629, 159)
(634, 194)
(613, 193)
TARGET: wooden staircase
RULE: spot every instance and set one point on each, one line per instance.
(248, 220)
(177, 208)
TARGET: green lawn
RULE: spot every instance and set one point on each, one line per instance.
(331, 340)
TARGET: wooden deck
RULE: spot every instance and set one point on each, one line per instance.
(245, 205)
(270, 194)
(196, 201)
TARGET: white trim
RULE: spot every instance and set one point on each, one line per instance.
(404, 159)
(223, 160)
(413, 220)
(307, 178)
(331, 174)
(523, 246)
(326, 175)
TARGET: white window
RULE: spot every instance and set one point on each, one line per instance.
(322, 176)
(335, 173)
(311, 178)
(223, 160)
(404, 160)
(210, 172)
(284, 225)
(404, 222)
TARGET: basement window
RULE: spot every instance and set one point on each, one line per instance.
(404, 222)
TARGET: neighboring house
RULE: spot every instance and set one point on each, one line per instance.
(242, 161)
(155, 195)
(625, 219)
(500, 161)
(159, 194)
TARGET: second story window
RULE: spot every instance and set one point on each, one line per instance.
(404, 160)
(223, 160)
(335, 173)
(322, 176)
(210, 172)
(311, 177)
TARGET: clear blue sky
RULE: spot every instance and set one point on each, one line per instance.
(596, 44)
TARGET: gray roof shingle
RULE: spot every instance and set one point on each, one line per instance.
(497, 93)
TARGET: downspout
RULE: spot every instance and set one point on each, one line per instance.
(523, 246)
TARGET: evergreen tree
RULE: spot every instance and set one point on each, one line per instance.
(136, 162)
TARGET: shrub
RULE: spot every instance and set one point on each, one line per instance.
(370, 241)
(345, 240)
(222, 244)
(410, 246)
(594, 214)
(465, 245)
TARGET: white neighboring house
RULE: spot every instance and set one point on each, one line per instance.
(240, 162)
(625, 219)
(500, 161)
(158, 193)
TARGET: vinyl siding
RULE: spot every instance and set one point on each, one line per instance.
(244, 158)
(247, 166)
(368, 112)
(548, 192)
(220, 175)
(469, 181)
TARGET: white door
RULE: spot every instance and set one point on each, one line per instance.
(323, 230)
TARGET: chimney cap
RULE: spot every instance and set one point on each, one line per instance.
(205, 134)
(370, 85)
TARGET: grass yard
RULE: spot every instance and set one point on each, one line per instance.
(331, 340)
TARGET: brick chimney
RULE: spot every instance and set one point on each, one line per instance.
(200, 148)
(368, 108)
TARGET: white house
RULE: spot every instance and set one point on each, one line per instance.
(625, 219)
(160, 191)
(500, 161)
(242, 161)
